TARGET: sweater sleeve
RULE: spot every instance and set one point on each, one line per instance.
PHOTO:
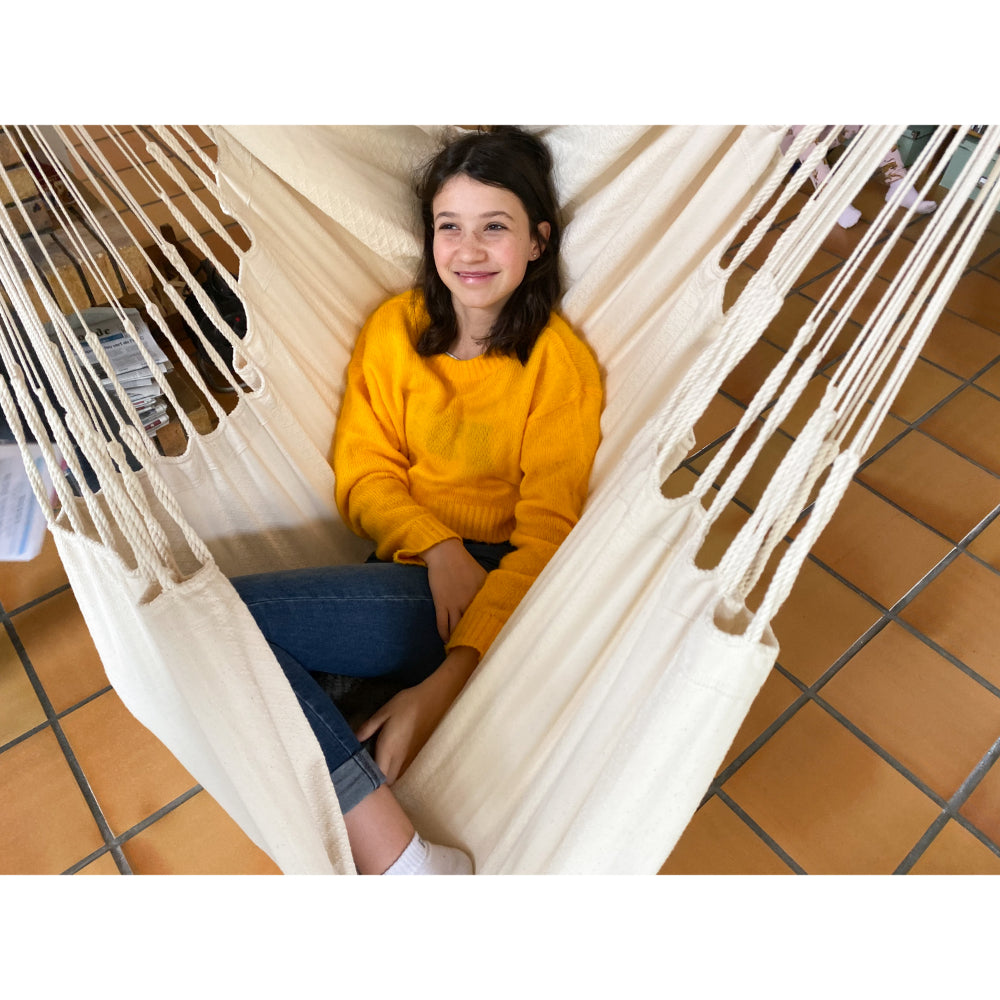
(369, 451)
(560, 441)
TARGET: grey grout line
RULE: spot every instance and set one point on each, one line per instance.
(902, 510)
(950, 657)
(114, 848)
(737, 762)
(118, 854)
(761, 832)
(968, 379)
(987, 258)
(876, 748)
(57, 730)
(920, 847)
(979, 772)
(952, 813)
(985, 392)
(60, 716)
(149, 820)
(942, 403)
(892, 615)
(112, 843)
(993, 847)
(35, 601)
(949, 807)
(887, 615)
(811, 693)
(975, 532)
(85, 701)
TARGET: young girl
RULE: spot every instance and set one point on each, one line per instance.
(463, 451)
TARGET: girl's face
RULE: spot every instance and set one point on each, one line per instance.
(482, 245)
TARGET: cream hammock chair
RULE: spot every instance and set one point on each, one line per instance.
(589, 734)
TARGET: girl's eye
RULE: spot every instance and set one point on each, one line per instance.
(446, 225)
(496, 226)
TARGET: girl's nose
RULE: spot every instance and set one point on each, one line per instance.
(472, 247)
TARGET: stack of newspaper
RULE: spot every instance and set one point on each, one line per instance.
(130, 368)
(22, 521)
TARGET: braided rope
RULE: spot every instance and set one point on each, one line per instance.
(840, 477)
(196, 199)
(54, 369)
(165, 496)
(168, 249)
(847, 277)
(9, 408)
(776, 183)
(151, 307)
(42, 290)
(69, 226)
(205, 170)
(810, 454)
(130, 521)
(965, 226)
(756, 306)
(165, 565)
(72, 344)
(762, 297)
(849, 393)
(126, 504)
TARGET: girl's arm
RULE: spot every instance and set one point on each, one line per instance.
(558, 453)
(455, 578)
(369, 454)
(408, 719)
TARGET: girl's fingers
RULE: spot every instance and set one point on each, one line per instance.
(372, 726)
(387, 761)
(443, 624)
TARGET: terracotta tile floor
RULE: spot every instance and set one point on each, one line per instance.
(871, 748)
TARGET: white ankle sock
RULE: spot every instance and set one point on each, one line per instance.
(848, 217)
(423, 858)
(924, 208)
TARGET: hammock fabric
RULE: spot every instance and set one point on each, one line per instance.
(588, 735)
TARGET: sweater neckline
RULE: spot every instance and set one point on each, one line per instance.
(469, 368)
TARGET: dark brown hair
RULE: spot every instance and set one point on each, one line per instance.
(506, 157)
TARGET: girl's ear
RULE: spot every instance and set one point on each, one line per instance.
(538, 242)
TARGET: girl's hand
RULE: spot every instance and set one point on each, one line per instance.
(407, 720)
(455, 578)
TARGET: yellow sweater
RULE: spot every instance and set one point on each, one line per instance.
(486, 449)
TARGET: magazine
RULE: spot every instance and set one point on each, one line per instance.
(22, 521)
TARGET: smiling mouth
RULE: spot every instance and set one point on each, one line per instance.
(475, 275)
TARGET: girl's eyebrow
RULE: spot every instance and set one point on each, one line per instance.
(484, 215)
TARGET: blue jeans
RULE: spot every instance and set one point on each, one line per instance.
(371, 620)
